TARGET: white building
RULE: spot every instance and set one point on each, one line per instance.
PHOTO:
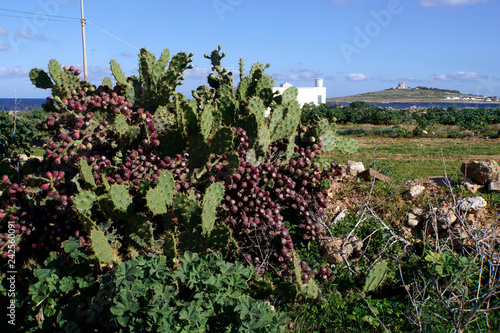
(316, 94)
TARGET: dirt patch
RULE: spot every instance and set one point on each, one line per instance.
(399, 157)
(343, 194)
(419, 141)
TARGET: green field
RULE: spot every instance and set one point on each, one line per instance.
(411, 158)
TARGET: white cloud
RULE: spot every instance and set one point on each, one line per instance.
(29, 34)
(459, 76)
(298, 74)
(13, 72)
(3, 31)
(96, 73)
(197, 72)
(4, 46)
(126, 54)
(356, 77)
(432, 3)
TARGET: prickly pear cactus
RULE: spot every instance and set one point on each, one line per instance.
(169, 246)
(307, 287)
(376, 276)
(102, 248)
(61, 81)
(160, 197)
(86, 171)
(121, 197)
(211, 200)
(140, 231)
(222, 141)
(84, 201)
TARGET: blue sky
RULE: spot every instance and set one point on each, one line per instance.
(355, 45)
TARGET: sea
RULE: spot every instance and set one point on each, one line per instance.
(22, 104)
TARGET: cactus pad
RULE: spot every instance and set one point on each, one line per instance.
(347, 145)
(222, 141)
(376, 276)
(289, 95)
(84, 202)
(160, 197)
(117, 72)
(206, 121)
(120, 197)
(329, 140)
(276, 118)
(256, 107)
(55, 71)
(102, 249)
(140, 231)
(212, 199)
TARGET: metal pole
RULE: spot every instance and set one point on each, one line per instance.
(84, 47)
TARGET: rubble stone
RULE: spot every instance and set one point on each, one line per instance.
(353, 168)
(331, 249)
(493, 187)
(369, 174)
(414, 192)
(471, 185)
(473, 204)
(481, 172)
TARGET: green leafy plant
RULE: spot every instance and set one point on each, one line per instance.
(204, 293)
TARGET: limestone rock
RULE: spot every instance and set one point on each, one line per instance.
(493, 187)
(440, 219)
(414, 192)
(415, 217)
(481, 171)
(473, 204)
(369, 174)
(413, 220)
(339, 216)
(335, 251)
(353, 168)
(445, 217)
(471, 185)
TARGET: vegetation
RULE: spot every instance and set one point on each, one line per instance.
(18, 132)
(150, 212)
(475, 120)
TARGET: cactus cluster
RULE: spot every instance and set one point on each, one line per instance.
(141, 169)
(61, 80)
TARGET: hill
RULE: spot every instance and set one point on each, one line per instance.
(415, 95)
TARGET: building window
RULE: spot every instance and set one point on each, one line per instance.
(319, 99)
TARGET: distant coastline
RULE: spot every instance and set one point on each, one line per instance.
(418, 95)
(407, 105)
(408, 101)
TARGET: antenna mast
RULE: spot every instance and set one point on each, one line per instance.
(82, 20)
